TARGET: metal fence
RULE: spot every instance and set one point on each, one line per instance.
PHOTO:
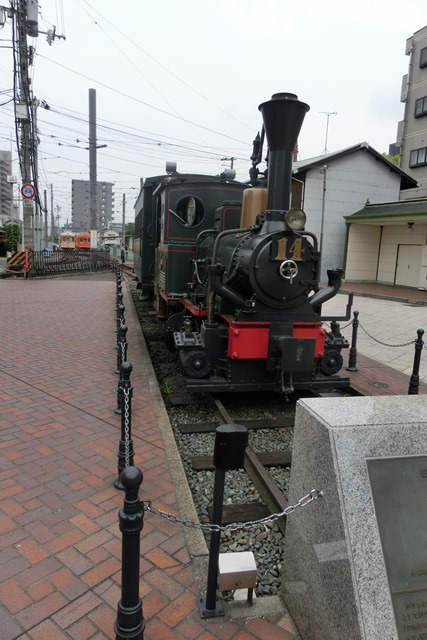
(49, 263)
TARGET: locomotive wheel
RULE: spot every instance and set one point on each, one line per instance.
(196, 364)
(332, 362)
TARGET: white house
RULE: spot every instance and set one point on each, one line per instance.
(337, 185)
(387, 243)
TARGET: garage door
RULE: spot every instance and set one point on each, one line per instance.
(408, 265)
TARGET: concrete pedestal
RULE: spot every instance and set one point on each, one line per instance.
(335, 582)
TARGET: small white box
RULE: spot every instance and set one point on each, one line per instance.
(236, 571)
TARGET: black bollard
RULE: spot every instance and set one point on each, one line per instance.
(229, 453)
(120, 317)
(130, 621)
(414, 382)
(125, 453)
(352, 356)
(122, 346)
(119, 293)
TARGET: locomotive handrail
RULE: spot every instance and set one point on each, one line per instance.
(312, 236)
(199, 236)
(347, 313)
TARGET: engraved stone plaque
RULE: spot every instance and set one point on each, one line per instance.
(399, 491)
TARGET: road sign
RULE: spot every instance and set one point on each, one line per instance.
(28, 191)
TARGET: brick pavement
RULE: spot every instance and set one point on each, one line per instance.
(60, 544)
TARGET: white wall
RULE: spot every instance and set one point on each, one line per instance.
(423, 270)
(350, 181)
(362, 252)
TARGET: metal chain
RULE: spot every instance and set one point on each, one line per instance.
(385, 344)
(126, 393)
(303, 502)
(123, 350)
(341, 328)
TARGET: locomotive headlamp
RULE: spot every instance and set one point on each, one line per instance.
(295, 219)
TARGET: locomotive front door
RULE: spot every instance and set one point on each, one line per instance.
(408, 265)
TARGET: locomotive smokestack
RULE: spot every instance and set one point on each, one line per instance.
(283, 116)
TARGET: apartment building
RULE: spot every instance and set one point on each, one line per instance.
(411, 141)
(6, 187)
(80, 204)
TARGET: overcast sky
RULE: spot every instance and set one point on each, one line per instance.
(181, 80)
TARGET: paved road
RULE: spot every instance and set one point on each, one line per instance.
(393, 323)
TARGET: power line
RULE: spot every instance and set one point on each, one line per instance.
(138, 46)
(146, 104)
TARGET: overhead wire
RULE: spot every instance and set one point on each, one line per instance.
(138, 70)
(146, 104)
(127, 38)
(206, 151)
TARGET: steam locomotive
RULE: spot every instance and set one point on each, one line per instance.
(234, 274)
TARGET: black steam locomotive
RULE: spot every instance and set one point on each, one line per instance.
(234, 274)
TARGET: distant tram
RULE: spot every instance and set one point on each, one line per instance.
(83, 240)
(67, 240)
(73, 240)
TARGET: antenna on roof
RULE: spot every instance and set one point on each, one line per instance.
(328, 114)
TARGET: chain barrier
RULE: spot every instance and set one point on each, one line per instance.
(126, 394)
(303, 502)
(341, 328)
(385, 344)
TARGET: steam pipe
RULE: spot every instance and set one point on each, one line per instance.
(334, 284)
(213, 272)
(215, 279)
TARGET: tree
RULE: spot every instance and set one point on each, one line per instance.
(13, 236)
(394, 159)
(130, 229)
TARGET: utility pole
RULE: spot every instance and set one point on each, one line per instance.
(95, 214)
(94, 218)
(24, 15)
(38, 210)
(52, 217)
(230, 160)
(58, 228)
(46, 236)
(23, 113)
(323, 170)
(123, 220)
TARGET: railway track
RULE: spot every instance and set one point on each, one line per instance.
(128, 270)
(255, 465)
(251, 494)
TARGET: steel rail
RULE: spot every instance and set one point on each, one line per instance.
(263, 482)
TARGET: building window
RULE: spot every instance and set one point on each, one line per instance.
(423, 58)
(418, 157)
(420, 107)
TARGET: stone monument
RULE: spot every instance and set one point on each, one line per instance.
(355, 563)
